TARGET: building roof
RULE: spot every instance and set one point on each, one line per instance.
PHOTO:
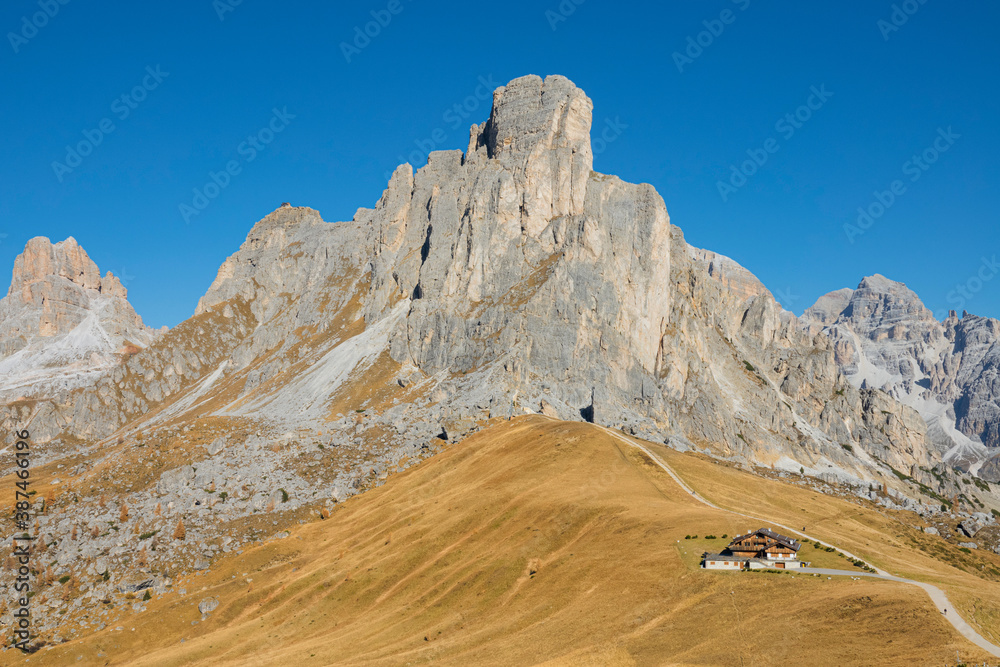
(794, 545)
(709, 556)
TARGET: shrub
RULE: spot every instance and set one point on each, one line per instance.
(146, 536)
(687, 537)
(694, 537)
(223, 496)
(147, 597)
(710, 537)
(105, 575)
(749, 367)
(180, 532)
(63, 579)
(284, 495)
(724, 536)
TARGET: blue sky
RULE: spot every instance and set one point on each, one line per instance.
(346, 120)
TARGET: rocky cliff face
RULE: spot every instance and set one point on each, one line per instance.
(885, 338)
(512, 277)
(727, 272)
(62, 324)
(513, 261)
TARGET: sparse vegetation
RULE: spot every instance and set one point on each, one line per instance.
(663, 584)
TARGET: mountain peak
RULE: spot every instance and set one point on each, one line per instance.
(882, 285)
(531, 114)
(828, 307)
(43, 259)
(59, 309)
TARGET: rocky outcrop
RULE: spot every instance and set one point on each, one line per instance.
(55, 288)
(515, 276)
(62, 324)
(728, 272)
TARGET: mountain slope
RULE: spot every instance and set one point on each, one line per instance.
(532, 541)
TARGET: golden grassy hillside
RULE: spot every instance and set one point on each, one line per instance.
(532, 542)
(887, 539)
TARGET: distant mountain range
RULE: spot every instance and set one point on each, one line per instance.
(885, 338)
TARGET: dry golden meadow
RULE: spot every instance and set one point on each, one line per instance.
(537, 542)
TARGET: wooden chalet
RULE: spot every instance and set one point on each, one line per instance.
(760, 549)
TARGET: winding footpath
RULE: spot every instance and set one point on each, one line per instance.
(937, 596)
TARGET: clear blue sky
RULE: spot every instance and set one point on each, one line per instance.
(354, 121)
